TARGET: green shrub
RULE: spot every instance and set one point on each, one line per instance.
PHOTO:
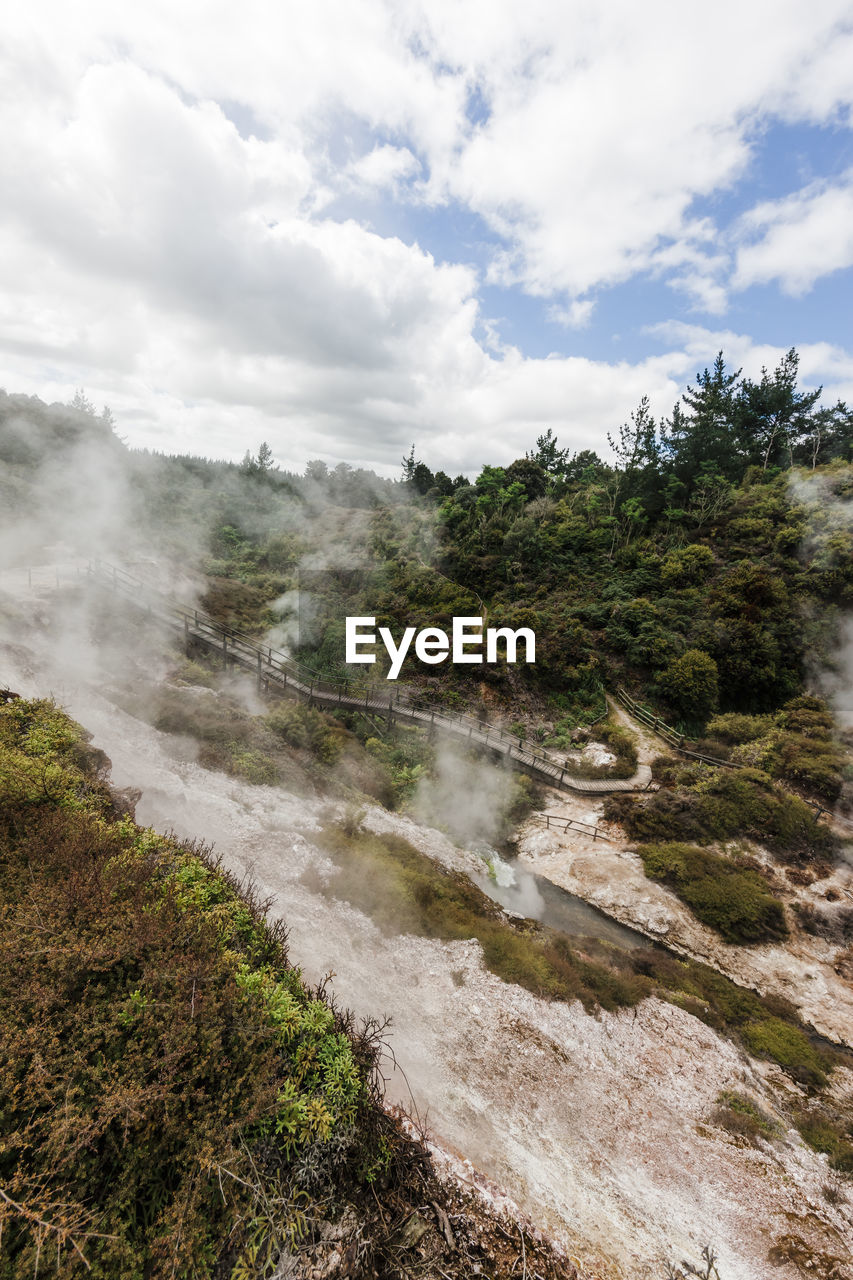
(304, 727)
(725, 895)
(254, 766)
(708, 804)
(687, 566)
(740, 1115)
(191, 672)
(736, 728)
(789, 1046)
(828, 1133)
(691, 684)
(164, 1067)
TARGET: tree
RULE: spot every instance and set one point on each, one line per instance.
(707, 434)
(409, 463)
(827, 434)
(692, 684)
(582, 466)
(262, 465)
(82, 403)
(266, 462)
(638, 461)
(530, 474)
(771, 415)
(422, 478)
(550, 457)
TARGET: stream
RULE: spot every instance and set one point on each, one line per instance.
(522, 892)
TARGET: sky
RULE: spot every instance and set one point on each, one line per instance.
(348, 226)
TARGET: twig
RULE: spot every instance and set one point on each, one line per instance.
(63, 1233)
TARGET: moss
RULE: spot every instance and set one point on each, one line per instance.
(790, 1047)
(254, 766)
(740, 1115)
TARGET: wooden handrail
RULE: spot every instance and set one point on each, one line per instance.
(276, 669)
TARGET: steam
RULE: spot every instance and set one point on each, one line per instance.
(466, 797)
(827, 500)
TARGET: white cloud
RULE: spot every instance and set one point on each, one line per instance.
(821, 363)
(606, 122)
(174, 232)
(803, 237)
(576, 315)
(384, 167)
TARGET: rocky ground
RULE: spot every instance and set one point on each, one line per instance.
(814, 974)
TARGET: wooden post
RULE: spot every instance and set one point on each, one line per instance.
(224, 651)
(260, 665)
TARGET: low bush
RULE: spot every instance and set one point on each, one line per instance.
(164, 1067)
(790, 1047)
(735, 728)
(824, 1130)
(728, 896)
(303, 726)
(795, 745)
(706, 804)
(738, 1114)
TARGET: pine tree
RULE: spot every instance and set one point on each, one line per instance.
(707, 435)
(772, 415)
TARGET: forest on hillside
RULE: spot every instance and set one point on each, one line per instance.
(706, 563)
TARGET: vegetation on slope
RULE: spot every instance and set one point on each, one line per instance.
(167, 1079)
(174, 1100)
(700, 804)
(729, 896)
(404, 890)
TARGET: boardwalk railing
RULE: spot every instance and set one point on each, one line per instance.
(276, 673)
(677, 740)
(563, 823)
(665, 731)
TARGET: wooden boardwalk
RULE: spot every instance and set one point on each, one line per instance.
(277, 674)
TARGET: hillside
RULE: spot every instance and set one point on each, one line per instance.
(716, 588)
(176, 1100)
